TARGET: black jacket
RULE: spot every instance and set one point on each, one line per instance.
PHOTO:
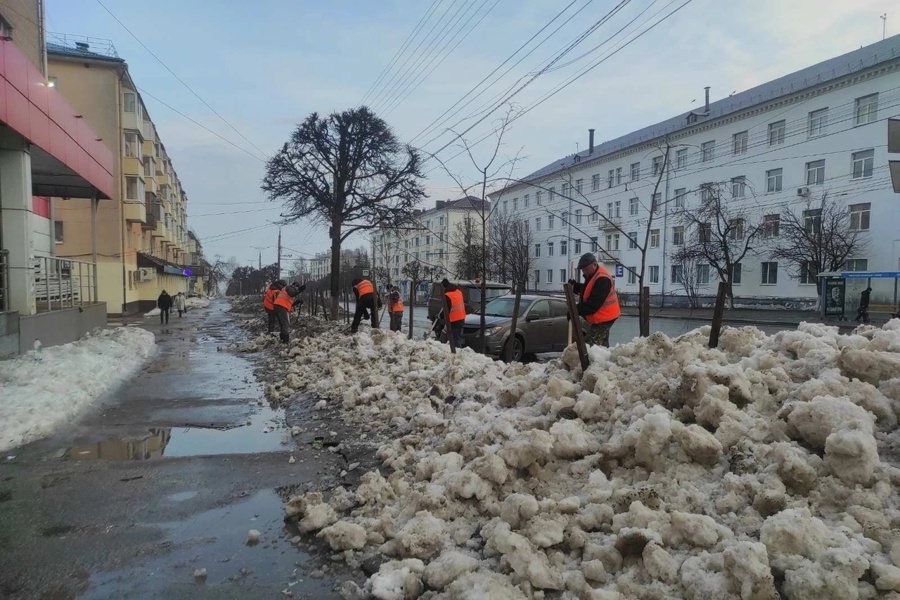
(864, 299)
(164, 302)
(599, 292)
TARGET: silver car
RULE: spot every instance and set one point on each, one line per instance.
(542, 326)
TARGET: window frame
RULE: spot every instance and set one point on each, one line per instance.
(739, 142)
(653, 274)
(766, 272)
(861, 212)
(776, 177)
(777, 131)
(815, 172)
(708, 151)
(865, 161)
(678, 235)
(817, 123)
(868, 103)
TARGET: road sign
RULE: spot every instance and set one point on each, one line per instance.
(620, 271)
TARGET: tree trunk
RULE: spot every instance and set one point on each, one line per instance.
(644, 312)
(335, 270)
(483, 277)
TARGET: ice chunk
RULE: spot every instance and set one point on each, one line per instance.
(448, 567)
(422, 536)
(344, 535)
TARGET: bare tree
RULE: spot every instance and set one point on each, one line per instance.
(720, 232)
(510, 248)
(817, 237)
(471, 249)
(349, 171)
(417, 273)
(685, 271)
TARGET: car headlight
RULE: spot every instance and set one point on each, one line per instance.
(495, 330)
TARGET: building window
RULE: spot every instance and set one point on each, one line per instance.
(708, 150)
(563, 248)
(578, 216)
(678, 235)
(706, 192)
(537, 224)
(635, 171)
(552, 193)
(504, 206)
(655, 201)
(680, 193)
(866, 109)
(609, 210)
(857, 264)
(527, 202)
(657, 165)
(704, 233)
(564, 219)
(654, 274)
(859, 216)
(769, 273)
(550, 220)
(618, 175)
(132, 145)
(818, 122)
(549, 275)
(771, 226)
(632, 275)
(681, 158)
(595, 244)
(595, 182)
(736, 273)
(773, 180)
(736, 229)
(632, 240)
(863, 163)
(58, 232)
(677, 270)
(579, 185)
(739, 142)
(549, 248)
(612, 241)
(539, 196)
(633, 207)
(537, 250)
(537, 276)
(130, 102)
(562, 275)
(654, 238)
(595, 214)
(815, 172)
(618, 208)
(578, 246)
(702, 274)
(131, 188)
(812, 220)
(148, 166)
(739, 187)
(776, 133)
(515, 204)
(565, 190)
(808, 272)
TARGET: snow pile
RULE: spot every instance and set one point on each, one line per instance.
(196, 302)
(765, 468)
(153, 312)
(45, 388)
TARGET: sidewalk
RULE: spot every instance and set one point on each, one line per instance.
(744, 316)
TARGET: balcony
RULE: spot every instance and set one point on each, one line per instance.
(132, 166)
(161, 230)
(135, 212)
(609, 256)
(611, 223)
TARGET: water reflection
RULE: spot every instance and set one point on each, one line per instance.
(151, 446)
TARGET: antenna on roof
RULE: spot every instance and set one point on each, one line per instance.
(883, 25)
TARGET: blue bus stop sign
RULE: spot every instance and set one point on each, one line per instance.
(620, 271)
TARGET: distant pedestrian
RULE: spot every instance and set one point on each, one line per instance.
(269, 304)
(457, 316)
(598, 303)
(284, 303)
(863, 311)
(364, 292)
(179, 302)
(164, 303)
(395, 307)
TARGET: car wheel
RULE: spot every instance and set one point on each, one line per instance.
(518, 350)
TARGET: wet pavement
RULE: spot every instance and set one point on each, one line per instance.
(165, 476)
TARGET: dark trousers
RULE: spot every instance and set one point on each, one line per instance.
(598, 334)
(396, 321)
(180, 312)
(271, 321)
(365, 303)
(456, 331)
(164, 316)
(284, 323)
(862, 313)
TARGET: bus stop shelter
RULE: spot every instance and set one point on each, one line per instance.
(841, 292)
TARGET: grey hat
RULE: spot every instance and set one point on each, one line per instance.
(586, 259)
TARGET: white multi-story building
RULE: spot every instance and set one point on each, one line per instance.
(320, 265)
(821, 130)
(434, 239)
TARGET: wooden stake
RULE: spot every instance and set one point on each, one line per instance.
(575, 322)
(645, 312)
(718, 313)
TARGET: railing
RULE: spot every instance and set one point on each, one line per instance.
(4, 280)
(63, 283)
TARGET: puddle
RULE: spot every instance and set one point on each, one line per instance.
(216, 540)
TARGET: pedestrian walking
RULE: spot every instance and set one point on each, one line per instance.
(364, 292)
(269, 304)
(395, 307)
(179, 302)
(164, 303)
(863, 311)
(598, 303)
(284, 302)
(457, 316)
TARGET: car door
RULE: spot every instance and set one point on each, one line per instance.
(539, 332)
(559, 337)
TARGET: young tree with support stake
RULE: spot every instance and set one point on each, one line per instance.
(346, 170)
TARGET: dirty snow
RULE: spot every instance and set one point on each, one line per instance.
(667, 470)
(153, 312)
(194, 302)
(50, 386)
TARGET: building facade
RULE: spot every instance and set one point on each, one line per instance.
(436, 238)
(820, 133)
(143, 246)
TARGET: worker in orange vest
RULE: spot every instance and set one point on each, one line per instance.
(598, 303)
(269, 304)
(364, 292)
(287, 297)
(457, 315)
(395, 308)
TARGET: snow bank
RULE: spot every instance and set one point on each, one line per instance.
(667, 470)
(47, 387)
(153, 312)
(196, 302)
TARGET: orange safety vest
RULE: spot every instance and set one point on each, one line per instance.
(284, 300)
(457, 305)
(397, 306)
(610, 309)
(269, 299)
(364, 287)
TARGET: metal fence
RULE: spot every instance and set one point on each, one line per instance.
(4, 280)
(63, 283)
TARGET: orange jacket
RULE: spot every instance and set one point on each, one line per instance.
(457, 305)
(610, 309)
(284, 300)
(269, 299)
(395, 303)
(364, 287)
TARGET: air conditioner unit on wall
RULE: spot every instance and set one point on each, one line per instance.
(803, 191)
(146, 274)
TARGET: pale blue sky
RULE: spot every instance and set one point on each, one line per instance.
(265, 65)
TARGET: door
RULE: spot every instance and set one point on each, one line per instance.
(539, 330)
(560, 330)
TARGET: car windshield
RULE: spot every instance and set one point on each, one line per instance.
(475, 295)
(503, 307)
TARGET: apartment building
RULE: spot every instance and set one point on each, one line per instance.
(143, 246)
(45, 150)
(435, 239)
(784, 145)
